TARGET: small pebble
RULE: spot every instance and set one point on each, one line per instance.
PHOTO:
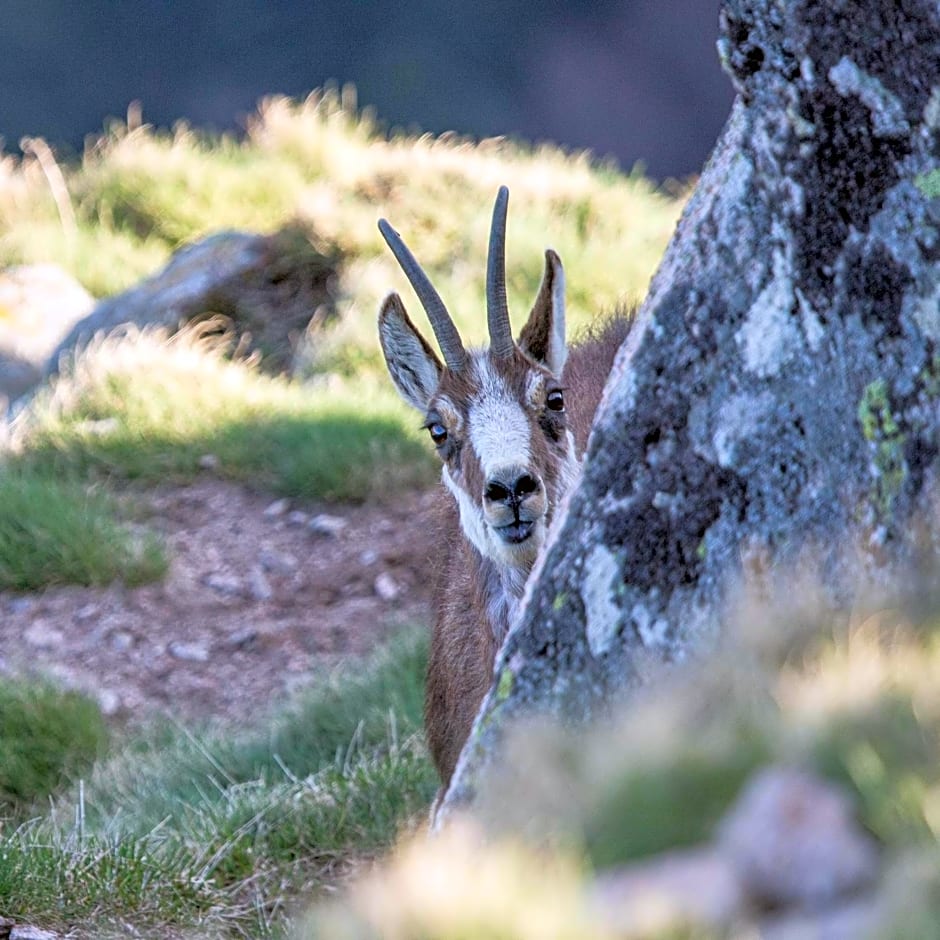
(258, 585)
(325, 524)
(27, 932)
(369, 557)
(226, 584)
(386, 587)
(245, 639)
(188, 652)
(86, 612)
(277, 562)
(109, 702)
(277, 508)
(297, 518)
(122, 641)
(44, 637)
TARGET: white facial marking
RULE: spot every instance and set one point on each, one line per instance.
(471, 516)
(499, 430)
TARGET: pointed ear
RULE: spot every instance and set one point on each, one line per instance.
(543, 336)
(415, 369)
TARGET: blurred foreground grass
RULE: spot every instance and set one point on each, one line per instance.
(232, 832)
(852, 699)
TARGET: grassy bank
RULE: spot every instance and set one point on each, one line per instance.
(151, 408)
(223, 831)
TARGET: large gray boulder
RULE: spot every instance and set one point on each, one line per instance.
(269, 286)
(778, 396)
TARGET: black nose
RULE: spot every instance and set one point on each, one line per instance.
(511, 493)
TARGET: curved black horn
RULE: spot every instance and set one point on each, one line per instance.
(497, 307)
(447, 336)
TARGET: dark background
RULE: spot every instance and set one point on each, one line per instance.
(638, 80)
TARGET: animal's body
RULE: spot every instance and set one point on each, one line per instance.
(510, 424)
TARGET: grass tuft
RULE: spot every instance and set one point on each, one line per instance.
(47, 736)
(57, 531)
(150, 407)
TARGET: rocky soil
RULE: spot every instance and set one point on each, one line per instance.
(261, 597)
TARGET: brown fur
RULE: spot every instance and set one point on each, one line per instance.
(464, 639)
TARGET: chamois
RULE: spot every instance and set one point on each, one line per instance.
(509, 424)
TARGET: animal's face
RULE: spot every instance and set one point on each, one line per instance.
(496, 416)
(501, 432)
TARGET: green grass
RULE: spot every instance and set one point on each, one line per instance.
(55, 531)
(150, 409)
(348, 713)
(219, 831)
(47, 736)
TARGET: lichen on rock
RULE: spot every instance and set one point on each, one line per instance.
(778, 387)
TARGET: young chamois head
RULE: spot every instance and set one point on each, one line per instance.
(497, 415)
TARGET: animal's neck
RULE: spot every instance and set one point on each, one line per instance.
(503, 587)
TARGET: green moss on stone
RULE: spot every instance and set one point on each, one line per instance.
(929, 184)
(504, 687)
(884, 436)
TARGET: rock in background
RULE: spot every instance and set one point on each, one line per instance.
(39, 305)
(269, 286)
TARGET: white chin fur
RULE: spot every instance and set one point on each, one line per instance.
(517, 554)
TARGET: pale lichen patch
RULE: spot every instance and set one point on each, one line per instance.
(768, 338)
(740, 418)
(932, 108)
(813, 329)
(926, 313)
(887, 112)
(651, 630)
(601, 575)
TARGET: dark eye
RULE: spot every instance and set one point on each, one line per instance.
(555, 400)
(438, 433)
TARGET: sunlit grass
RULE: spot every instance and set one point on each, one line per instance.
(152, 408)
(139, 194)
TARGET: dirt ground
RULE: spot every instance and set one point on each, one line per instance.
(261, 597)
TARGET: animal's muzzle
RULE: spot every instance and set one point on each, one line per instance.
(514, 501)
